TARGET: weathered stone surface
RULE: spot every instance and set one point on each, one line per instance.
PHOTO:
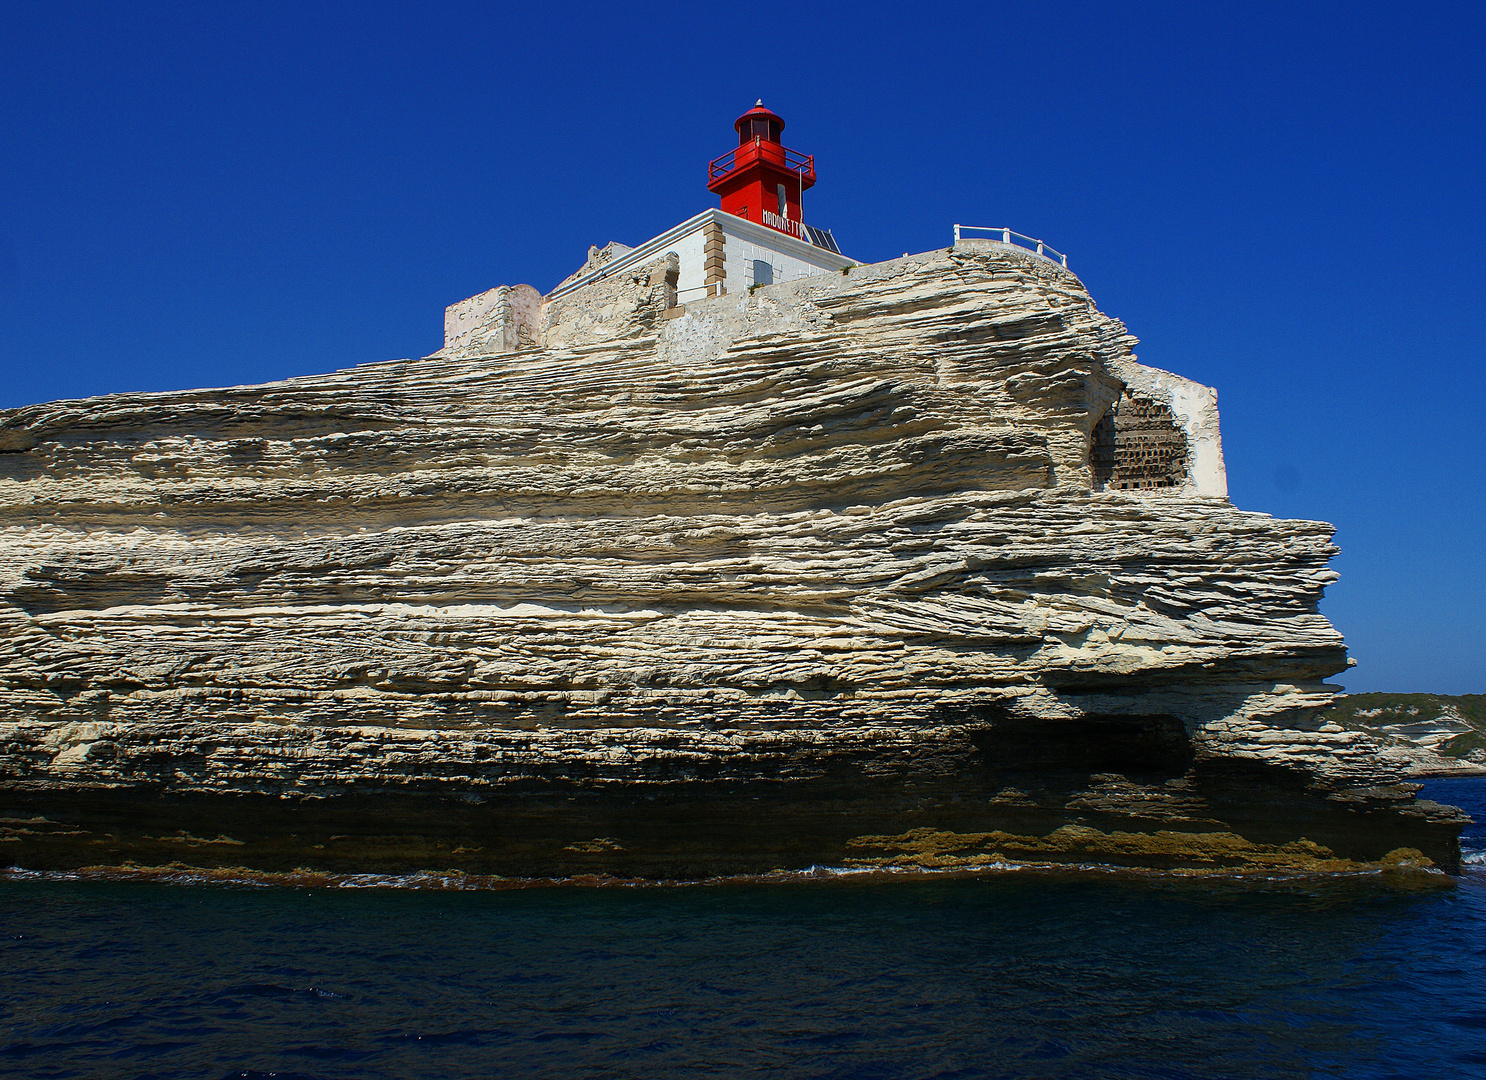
(768, 584)
(598, 258)
(630, 303)
(499, 320)
(1442, 735)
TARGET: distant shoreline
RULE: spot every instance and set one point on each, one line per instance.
(1465, 770)
(1444, 733)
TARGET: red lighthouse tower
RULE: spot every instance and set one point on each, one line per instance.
(761, 180)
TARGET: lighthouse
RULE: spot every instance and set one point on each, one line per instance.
(763, 181)
(757, 237)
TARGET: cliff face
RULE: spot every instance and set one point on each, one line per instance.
(913, 565)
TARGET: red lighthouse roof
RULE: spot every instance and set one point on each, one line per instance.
(773, 124)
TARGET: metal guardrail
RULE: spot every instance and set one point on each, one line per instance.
(1006, 237)
(793, 160)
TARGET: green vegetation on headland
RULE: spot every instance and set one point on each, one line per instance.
(1453, 726)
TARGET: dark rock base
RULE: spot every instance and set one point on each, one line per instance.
(1215, 816)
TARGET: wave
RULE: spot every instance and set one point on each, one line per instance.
(461, 882)
(457, 881)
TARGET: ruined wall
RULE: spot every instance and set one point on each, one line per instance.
(598, 258)
(500, 320)
(1138, 446)
(1194, 409)
(632, 302)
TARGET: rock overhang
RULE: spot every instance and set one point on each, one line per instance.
(839, 530)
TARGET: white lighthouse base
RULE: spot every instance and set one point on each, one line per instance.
(714, 254)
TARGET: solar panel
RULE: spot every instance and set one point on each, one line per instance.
(822, 238)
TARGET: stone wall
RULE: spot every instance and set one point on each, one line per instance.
(630, 303)
(1138, 445)
(500, 320)
(1194, 409)
(598, 258)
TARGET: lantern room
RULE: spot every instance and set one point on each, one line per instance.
(762, 181)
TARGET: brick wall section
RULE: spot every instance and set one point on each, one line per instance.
(715, 261)
(1138, 446)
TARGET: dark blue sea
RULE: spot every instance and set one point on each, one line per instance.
(1013, 974)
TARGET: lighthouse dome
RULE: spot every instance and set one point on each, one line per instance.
(758, 122)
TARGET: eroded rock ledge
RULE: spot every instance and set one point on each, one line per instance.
(913, 565)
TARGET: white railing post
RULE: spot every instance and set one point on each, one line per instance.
(1023, 241)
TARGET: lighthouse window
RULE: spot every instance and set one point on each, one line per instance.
(763, 272)
(758, 129)
(783, 201)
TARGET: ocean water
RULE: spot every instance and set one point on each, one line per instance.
(1009, 974)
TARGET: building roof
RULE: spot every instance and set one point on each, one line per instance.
(757, 234)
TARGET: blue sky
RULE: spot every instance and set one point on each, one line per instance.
(1282, 201)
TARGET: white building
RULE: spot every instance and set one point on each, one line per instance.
(750, 255)
(717, 253)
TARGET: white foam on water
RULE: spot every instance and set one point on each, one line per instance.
(457, 881)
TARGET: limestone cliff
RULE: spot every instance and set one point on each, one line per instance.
(909, 565)
(1444, 735)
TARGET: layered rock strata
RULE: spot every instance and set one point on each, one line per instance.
(1444, 735)
(913, 565)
